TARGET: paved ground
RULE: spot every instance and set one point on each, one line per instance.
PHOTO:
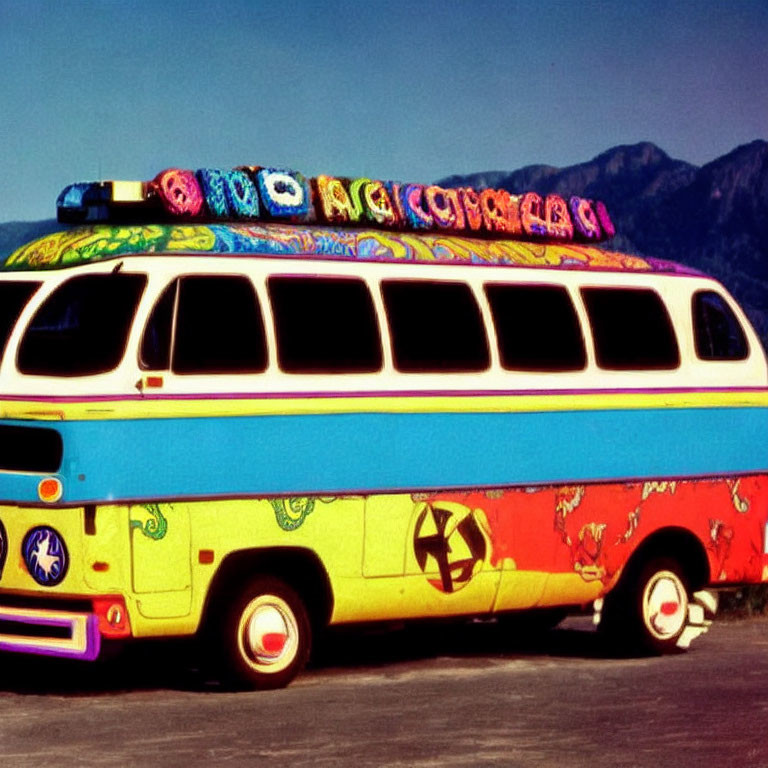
(444, 696)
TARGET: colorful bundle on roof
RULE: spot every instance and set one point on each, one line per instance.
(253, 193)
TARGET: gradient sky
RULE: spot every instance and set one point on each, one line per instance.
(412, 90)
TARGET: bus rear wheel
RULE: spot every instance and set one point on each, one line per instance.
(265, 636)
(649, 610)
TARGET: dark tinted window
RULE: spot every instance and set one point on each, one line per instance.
(435, 327)
(717, 332)
(537, 328)
(155, 353)
(30, 449)
(82, 327)
(631, 328)
(324, 325)
(218, 327)
(13, 298)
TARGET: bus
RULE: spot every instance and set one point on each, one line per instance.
(244, 406)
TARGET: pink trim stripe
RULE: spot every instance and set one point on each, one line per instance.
(376, 394)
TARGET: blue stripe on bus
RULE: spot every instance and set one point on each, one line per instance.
(333, 453)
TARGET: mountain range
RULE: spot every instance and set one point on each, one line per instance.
(712, 217)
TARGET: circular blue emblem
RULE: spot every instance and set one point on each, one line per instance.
(45, 555)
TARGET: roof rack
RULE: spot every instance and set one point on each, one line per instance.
(256, 194)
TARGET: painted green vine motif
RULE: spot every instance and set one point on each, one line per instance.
(291, 513)
(154, 528)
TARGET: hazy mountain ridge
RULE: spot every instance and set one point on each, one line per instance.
(713, 217)
(15, 233)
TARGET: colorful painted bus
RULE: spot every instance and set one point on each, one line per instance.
(246, 406)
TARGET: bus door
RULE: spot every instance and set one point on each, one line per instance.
(160, 557)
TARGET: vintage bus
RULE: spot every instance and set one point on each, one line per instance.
(246, 405)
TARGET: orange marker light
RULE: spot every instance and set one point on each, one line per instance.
(50, 489)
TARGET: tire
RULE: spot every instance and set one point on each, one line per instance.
(648, 610)
(264, 637)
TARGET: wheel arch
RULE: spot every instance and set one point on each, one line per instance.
(298, 567)
(678, 544)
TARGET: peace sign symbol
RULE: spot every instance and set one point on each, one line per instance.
(447, 535)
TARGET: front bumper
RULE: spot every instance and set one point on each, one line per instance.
(49, 632)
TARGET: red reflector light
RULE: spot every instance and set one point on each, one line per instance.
(112, 616)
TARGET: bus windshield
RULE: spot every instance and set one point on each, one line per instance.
(14, 296)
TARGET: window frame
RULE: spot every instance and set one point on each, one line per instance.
(479, 303)
(175, 281)
(370, 293)
(563, 289)
(701, 292)
(40, 299)
(647, 289)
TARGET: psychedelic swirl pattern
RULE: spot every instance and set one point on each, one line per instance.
(156, 526)
(101, 242)
(290, 513)
(595, 528)
(270, 194)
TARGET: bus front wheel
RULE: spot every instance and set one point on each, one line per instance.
(649, 610)
(265, 636)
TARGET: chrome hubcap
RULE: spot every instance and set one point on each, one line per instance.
(268, 634)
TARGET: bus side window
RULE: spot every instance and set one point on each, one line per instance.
(436, 327)
(82, 328)
(155, 353)
(218, 327)
(324, 325)
(717, 333)
(537, 328)
(631, 328)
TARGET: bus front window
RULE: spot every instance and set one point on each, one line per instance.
(14, 296)
(81, 329)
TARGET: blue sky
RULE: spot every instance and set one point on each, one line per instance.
(412, 90)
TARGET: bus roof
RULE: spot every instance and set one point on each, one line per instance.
(253, 210)
(101, 242)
